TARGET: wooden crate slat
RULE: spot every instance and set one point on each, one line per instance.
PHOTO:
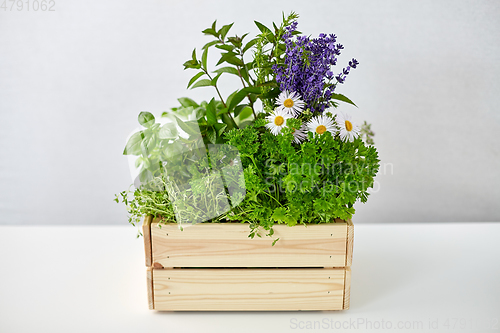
(249, 289)
(228, 245)
(347, 288)
(146, 233)
(149, 281)
(350, 243)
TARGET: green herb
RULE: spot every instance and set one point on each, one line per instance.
(224, 161)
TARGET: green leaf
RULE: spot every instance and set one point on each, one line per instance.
(244, 74)
(279, 214)
(215, 79)
(230, 97)
(221, 111)
(211, 135)
(190, 127)
(146, 119)
(192, 64)
(194, 55)
(194, 78)
(182, 111)
(145, 176)
(265, 31)
(235, 61)
(207, 45)
(133, 146)
(211, 112)
(245, 113)
(236, 41)
(252, 90)
(225, 47)
(321, 204)
(204, 59)
(250, 44)
(210, 31)
(168, 131)
(343, 98)
(240, 95)
(239, 108)
(224, 30)
(220, 127)
(228, 121)
(271, 94)
(202, 83)
(262, 27)
(231, 58)
(230, 70)
(290, 220)
(225, 56)
(187, 102)
(271, 83)
(198, 113)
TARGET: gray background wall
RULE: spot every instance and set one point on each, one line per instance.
(72, 82)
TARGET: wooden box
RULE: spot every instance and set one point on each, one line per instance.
(217, 267)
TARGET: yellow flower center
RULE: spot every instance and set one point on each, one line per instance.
(348, 125)
(279, 120)
(321, 129)
(288, 103)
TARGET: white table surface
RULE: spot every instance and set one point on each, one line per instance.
(427, 277)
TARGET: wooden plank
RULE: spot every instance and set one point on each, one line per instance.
(347, 288)
(350, 243)
(268, 289)
(228, 245)
(149, 281)
(146, 233)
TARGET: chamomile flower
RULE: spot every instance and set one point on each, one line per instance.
(299, 135)
(277, 120)
(321, 124)
(291, 103)
(348, 130)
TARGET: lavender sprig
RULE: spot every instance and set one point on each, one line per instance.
(307, 68)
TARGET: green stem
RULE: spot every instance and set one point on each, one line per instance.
(243, 83)
(279, 203)
(221, 99)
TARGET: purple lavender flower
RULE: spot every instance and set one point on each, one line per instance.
(306, 69)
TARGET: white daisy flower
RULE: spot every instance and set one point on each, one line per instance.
(277, 120)
(321, 124)
(291, 103)
(299, 135)
(348, 130)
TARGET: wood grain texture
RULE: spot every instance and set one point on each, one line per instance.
(271, 289)
(149, 280)
(146, 233)
(228, 245)
(347, 288)
(350, 243)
